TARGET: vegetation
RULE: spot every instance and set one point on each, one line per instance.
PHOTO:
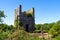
(52, 28)
(55, 31)
(10, 32)
(1, 16)
(29, 15)
(15, 23)
(46, 27)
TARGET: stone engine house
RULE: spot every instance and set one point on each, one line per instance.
(26, 17)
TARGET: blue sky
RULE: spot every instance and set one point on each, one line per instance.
(46, 11)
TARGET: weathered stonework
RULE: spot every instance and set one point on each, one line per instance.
(26, 17)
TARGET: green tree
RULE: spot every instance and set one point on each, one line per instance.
(45, 27)
(2, 15)
(50, 25)
(55, 30)
(37, 27)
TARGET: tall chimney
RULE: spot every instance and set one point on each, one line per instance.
(20, 9)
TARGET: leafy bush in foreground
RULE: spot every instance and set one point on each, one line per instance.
(22, 35)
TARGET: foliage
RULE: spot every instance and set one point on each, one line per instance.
(2, 15)
(7, 33)
(46, 27)
(55, 30)
(20, 23)
(29, 15)
(57, 38)
(22, 35)
(37, 31)
(15, 23)
(37, 28)
(5, 30)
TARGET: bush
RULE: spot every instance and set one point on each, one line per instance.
(22, 35)
(37, 31)
(57, 37)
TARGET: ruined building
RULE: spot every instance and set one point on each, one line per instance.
(26, 18)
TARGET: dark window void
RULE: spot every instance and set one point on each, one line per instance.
(26, 29)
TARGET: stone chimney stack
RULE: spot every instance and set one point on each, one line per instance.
(19, 9)
(33, 12)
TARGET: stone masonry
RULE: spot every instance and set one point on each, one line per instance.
(26, 17)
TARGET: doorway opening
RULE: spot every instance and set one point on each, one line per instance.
(26, 28)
